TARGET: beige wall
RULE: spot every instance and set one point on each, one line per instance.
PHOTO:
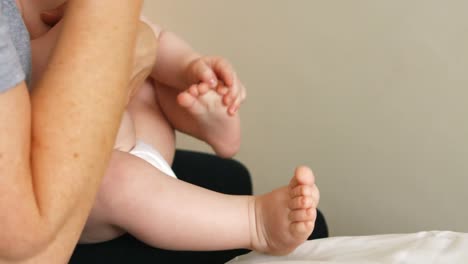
(371, 94)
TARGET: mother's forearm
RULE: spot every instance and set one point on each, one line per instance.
(77, 107)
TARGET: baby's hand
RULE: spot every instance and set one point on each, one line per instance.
(207, 73)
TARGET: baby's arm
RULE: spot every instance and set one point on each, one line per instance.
(174, 56)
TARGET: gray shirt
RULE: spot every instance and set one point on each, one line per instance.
(15, 49)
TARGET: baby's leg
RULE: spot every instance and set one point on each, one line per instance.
(167, 213)
(203, 117)
(151, 125)
(144, 121)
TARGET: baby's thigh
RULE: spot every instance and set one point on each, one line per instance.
(115, 197)
(151, 125)
(100, 223)
(121, 192)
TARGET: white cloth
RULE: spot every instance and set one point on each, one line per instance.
(435, 247)
(152, 156)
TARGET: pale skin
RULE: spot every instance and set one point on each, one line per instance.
(199, 96)
(46, 197)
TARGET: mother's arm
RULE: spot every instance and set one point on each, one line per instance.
(54, 150)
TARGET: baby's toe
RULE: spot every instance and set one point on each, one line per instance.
(186, 99)
(301, 190)
(301, 202)
(303, 215)
(302, 176)
(302, 230)
(203, 88)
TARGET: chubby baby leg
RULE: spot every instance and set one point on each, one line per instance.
(151, 124)
(98, 226)
(167, 213)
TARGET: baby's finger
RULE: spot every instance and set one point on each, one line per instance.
(233, 108)
(228, 100)
(235, 89)
(222, 90)
(203, 73)
(224, 71)
(243, 94)
(236, 95)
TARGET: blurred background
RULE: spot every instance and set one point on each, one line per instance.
(370, 94)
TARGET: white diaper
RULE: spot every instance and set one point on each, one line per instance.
(152, 156)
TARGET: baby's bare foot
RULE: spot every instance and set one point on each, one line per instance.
(285, 218)
(220, 130)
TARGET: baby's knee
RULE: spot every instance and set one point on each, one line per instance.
(117, 178)
(145, 95)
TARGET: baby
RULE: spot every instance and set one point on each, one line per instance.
(199, 96)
